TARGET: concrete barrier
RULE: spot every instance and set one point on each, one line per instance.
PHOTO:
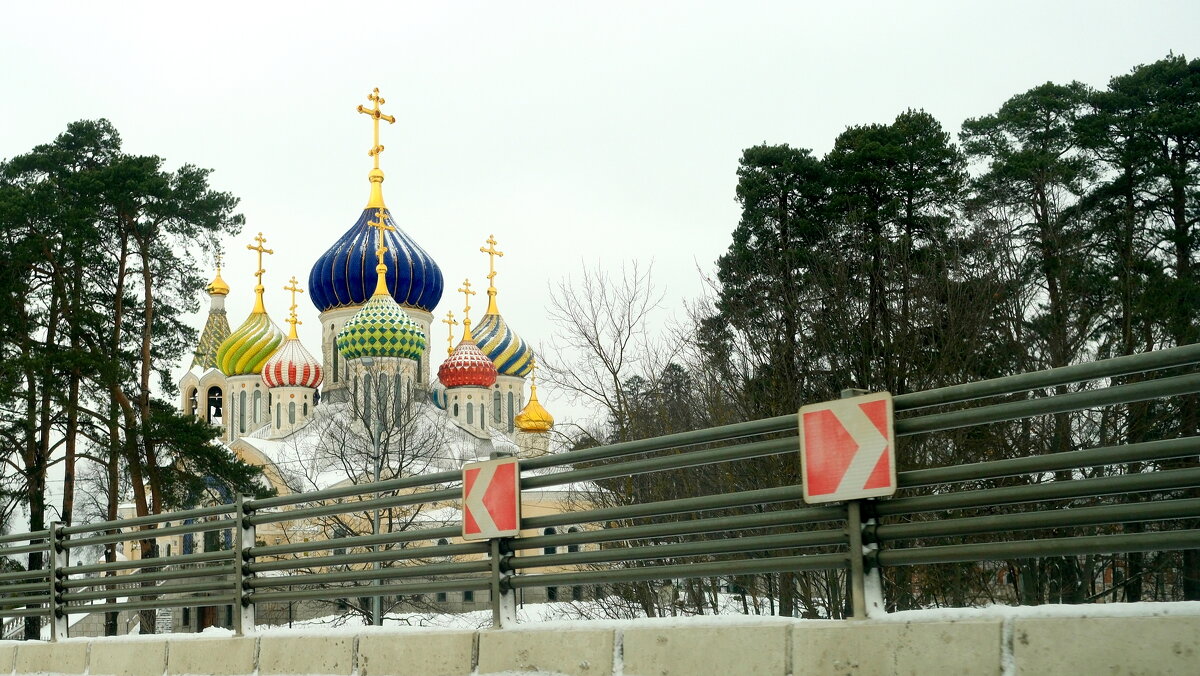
(699, 650)
(211, 656)
(142, 657)
(51, 658)
(8, 657)
(965, 648)
(421, 653)
(1135, 645)
(974, 644)
(290, 655)
(574, 652)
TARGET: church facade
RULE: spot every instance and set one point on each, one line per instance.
(376, 290)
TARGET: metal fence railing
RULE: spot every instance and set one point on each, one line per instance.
(1137, 497)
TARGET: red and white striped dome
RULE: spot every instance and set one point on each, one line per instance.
(467, 366)
(292, 366)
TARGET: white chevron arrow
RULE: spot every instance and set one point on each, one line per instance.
(871, 445)
(474, 499)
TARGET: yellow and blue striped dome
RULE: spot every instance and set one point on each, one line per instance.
(511, 355)
(246, 350)
(381, 329)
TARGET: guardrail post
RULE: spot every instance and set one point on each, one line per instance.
(504, 601)
(857, 579)
(57, 563)
(872, 577)
(243, 531)
(866, 587)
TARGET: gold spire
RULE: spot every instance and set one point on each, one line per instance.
(292, 286)
(258, 288)
(450, 323)
(218, 287)
(492, 253)
(467, 293)
(376, 175)
(381, 226)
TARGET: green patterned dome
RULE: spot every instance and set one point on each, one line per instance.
(381, 329)
(246, 350)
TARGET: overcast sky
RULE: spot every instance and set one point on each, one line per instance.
(576, 134)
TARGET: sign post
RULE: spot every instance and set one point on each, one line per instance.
(491, 510)
(848, 453)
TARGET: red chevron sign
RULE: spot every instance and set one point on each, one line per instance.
(491, 499)
(848, 449)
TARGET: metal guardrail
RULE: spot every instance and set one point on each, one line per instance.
(724, 534)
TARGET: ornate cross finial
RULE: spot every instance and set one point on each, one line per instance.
(450, 323)
(376, 116)
(381, 226)
(492, 252)
(258, 289)
(258, 246)
(467, 293)
(293, 320)
(217, 258)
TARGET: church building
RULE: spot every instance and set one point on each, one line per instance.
(285, 408)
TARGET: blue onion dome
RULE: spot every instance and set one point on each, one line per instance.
(511, 355)
(249, 347)
(381, 329)
(345, 274)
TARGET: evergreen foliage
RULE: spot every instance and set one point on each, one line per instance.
(98, 257)
(1061, 228)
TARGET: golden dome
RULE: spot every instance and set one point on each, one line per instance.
(218, 287)
(534, 418)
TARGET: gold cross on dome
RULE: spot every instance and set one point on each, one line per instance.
(450, 323)
(260, 241)
(492, 252)
(381, 226)
(376, 116)
(293, 286)
(467, 293)
(217, 258)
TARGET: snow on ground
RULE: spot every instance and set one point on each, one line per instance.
(568, 615)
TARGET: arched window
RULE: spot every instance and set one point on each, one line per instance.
(381, 406)
(576, 593)
(551, 593)
(550, 550)
(456, 410)
(470, 413)
(257, 404)
(278, 412)
(335, 359)
(242, 411)
(306, 409)
(214, 403)
(482, 417)
(191, 401)
(510, 411)
(496, 403)
(573, 547)
(366, 390)
(292, 413)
